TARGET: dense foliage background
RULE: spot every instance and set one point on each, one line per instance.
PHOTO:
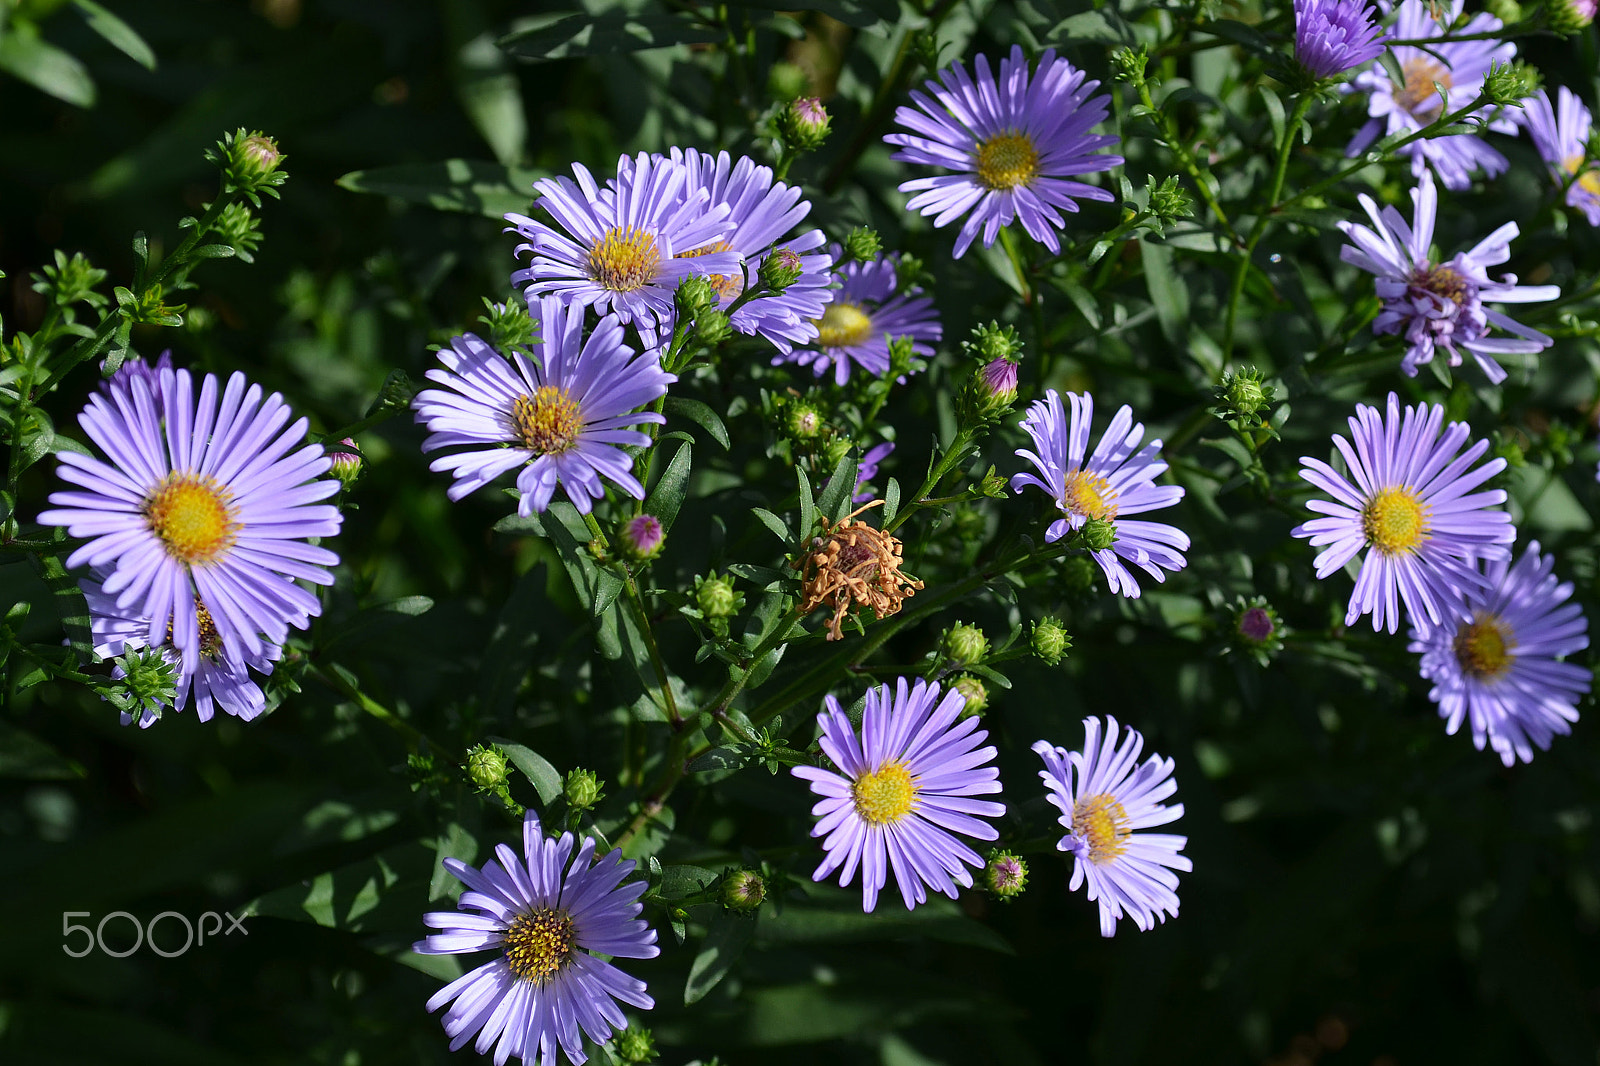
(1366, 889)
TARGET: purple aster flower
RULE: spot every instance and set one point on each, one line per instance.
(204, 499)
(1408, 106)
(621, 248)
(902, 793)
(1441, 305)
(1015, 143)
(1497, 665)
(1117, 480)
(1408, 498)
(549, 916)
(1103, 797)
(1562, 136)
(866, 311)
(561, 415)
(138, 367)
(1333, 36)
(867, 469)
(760, 213)
(214, 680)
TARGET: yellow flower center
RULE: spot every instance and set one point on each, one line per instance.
(1421, 72)
(842, 325)
(625, 259)
(1007, 160)
(1483, 647)
(1100, 822)
(726, 285)
(547, 422)
(538, 944)
(1395, 521)
(1588, 179)
(884, 796)
(193, 516)
(1443, 281)
(1089, 496)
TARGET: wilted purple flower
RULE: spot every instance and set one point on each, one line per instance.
(867, 469)
(1561, 135)
(1014, 144)
(1441, 305)
(622, 248)
(1104, 795)
(1117, 480)
(1333, 36)
(205, 500)
(1408, 500)
(550, 916)
(865, 312)
(1460, 67)
(565, 412)
(1497, 667)
(902, 793)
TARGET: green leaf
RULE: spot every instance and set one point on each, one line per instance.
(470, 186)
(44, 66)
(717, 760)
(378, 892)
(491, 95)
(701, 415)
(119, 34)
(891, 501)
(1167, 293)
(546, 778)
(862, 14)
(772, 522)
(832, 915)
(726, 941)
(607, 34)
(455, 842)
(25, 756)
(680, 881)
(808, 509)
(407, 605)
(667, 496)
(836, 494)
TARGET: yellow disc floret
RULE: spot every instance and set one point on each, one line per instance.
(1395, 521)
(1007, 160)
(1484, 647)
(1589, 180)
(842, 325)
(539, 944)
(625, 259)
(547, 422)
(1087, 495)
(193, 515)
(884, 796)
(1101, 823)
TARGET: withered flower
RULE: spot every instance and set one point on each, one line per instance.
(851, 563)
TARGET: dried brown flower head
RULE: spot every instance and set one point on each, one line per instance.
(851, 564)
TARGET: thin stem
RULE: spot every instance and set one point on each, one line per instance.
(1186, 159)
(951, 456)
(415, 738)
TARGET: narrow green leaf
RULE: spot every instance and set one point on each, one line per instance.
(836, 494)
(44, 66)
(667, 496)
(546, 778)
(25, 756)
(683, 880)
(470, 186)
(808, 509)
(607, 34)
(1167, 293)
(726, 941)
(121, 36)
(701, 415)
(772, 522)
(407, 605)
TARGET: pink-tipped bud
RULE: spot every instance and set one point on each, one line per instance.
(1000, 378)
(642, 537)
(346, 462)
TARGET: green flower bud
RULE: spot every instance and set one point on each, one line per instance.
(250, 164)
(993, 485)
(925, 46)
(1050, 639)
(862, 243)
(803, 125)
(711, 328)
(1128, 65)
(835, 449)
(901, 351)
(508, 325)
(779, 270)
(803, 421)
(965, 644)
(635, 1045)
(71, 281)
(1098, 534)
(1508, 84)
(1243, 397)
(743, 890)
(695, 296)
(237, 226)
(909, 273)
(1079, 573)
(974, 692)
(1005, 875)
(1566, 17)
(346, 463)
(1509, 10)
(992, 342)
(715, 596)
(486, 766)
(1169, 202)
(148, 685)
(582, 789)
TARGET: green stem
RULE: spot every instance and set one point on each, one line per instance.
(414, 737)
(949, 459)
(1187, 160)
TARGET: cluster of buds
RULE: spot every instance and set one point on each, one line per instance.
(238, 228)
(992, 389)
(698, 305)
(1128, 64)
(249, 163)
(70, 281)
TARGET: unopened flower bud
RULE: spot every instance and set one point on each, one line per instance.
(1050, 639)
(147, 684)
(835, 449)
(1005, 875)
(250, 164)
(1169, 201)
(779, 270)
(715, 596)
(1098, 534)
(1257, 631)
(1000, 378)
(582, 789)
(974, 692)
(1128, 65)
(509, 325)
(993, 485)
(1568, 17)
(803, 421)
(346, 462)
(804, 124)
(1242, 397)
(712, 328)
(862, 243)
(694, 296)
(635, 1045)
(486, 766)
(926, 48)
(642, 537)
(70, 281)
(1511, 11)
(995, 341)
(1508, 84)
(1079, 573)
(743, 890)
(965, 644)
